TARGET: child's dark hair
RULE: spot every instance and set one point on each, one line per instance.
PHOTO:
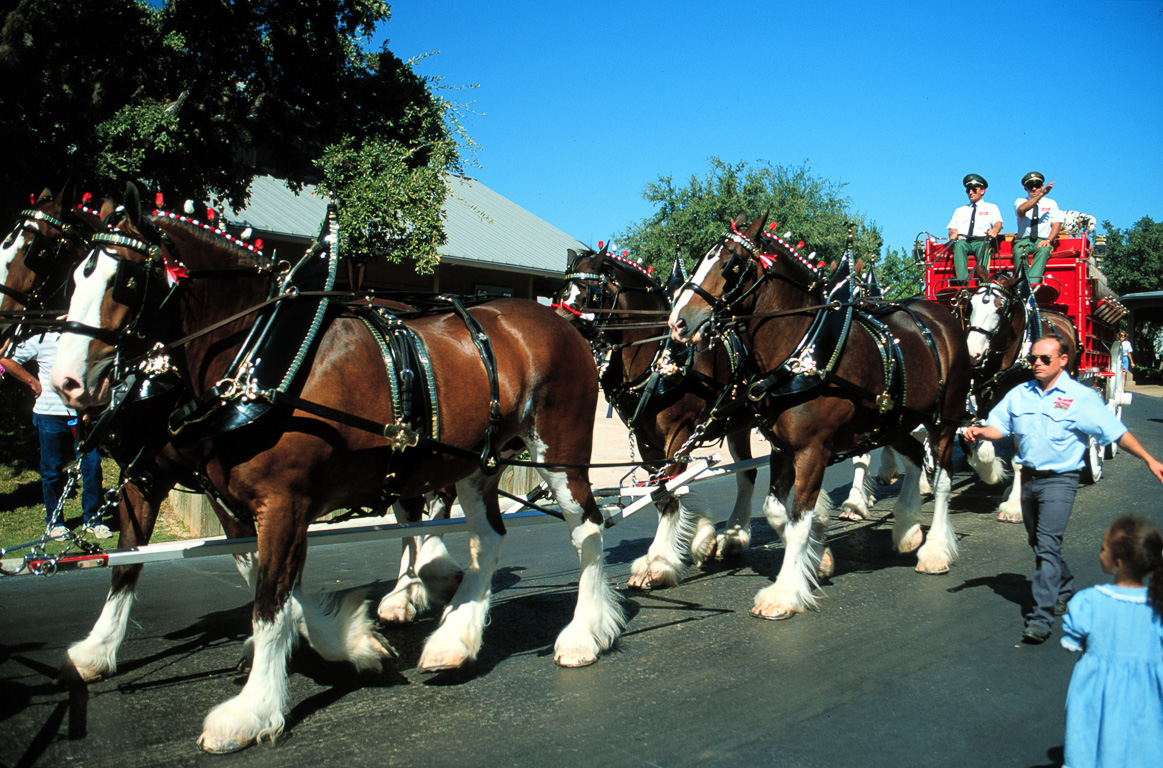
(1140, 546)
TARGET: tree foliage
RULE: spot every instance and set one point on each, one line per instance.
(696, 215)
(1134, 258)
(901, 274)
(196, 97)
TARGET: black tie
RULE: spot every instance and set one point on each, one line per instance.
(972, 218)
(1034, 226)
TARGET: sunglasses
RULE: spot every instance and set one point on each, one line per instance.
(1034, 186)
(1031, 359)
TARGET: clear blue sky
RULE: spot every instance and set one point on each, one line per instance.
(580, 105)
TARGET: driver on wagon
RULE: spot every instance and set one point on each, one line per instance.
(972, 227)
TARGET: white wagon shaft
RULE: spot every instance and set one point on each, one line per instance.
(610, 500)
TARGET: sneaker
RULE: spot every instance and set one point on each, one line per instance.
(1035, 634)
(56, 531)
(99, 531)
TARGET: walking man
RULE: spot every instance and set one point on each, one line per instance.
(973, 227)
(56, 425)
(1055, 416)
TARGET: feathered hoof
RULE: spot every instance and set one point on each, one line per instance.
(73, 672)
(402, 606)
(234, 725)
(438, 660)
(704, 545)
(774, 614)
(851, 513)
(827, 564)
(1009, 516)
(215, 747)
(911, 540)
(733, 544)
(652, 573)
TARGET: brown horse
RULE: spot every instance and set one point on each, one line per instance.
(293, 464)
(37, 261)
(663, 393)
(1002, 323)
(831, 381)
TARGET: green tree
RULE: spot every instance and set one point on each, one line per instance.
(196, 97)
(1134, 257)
(695, 216)
(900, 274)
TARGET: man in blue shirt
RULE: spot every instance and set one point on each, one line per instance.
(1054, 416)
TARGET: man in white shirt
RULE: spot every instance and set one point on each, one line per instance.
(56, 425)
(1039, 220)
(973, 227)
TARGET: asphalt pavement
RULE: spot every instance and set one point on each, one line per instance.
(892, 669)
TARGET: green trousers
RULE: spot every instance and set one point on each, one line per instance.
(962, 249)
(1023, 248)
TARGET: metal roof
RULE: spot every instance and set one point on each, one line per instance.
(482, 226)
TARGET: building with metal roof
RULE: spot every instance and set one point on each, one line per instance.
(494, 246)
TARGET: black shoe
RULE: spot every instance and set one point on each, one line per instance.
(1035, 634)
(1060, 606)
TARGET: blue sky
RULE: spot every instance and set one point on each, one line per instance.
(580, 105)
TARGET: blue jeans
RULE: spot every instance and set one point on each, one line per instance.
(58, 449)
(1046, 506)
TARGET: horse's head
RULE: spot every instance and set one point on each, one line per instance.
(35, 258)
(119, 287)
(991, 309)
(604, 280)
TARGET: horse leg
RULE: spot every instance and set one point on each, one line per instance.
(862, 495)
(940, 548)
(889, 470)
(907, 535)
(96, 656)
(664, 563)
(796, 486)
(985, 462)
(428, 574)
(457, 640)
(257, 712)
(1010, 510)
(598, 617)
(736, 537)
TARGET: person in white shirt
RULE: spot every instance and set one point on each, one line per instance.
(973, 227)
(57, 424)
(1039, 220)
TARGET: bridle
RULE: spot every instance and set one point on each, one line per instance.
(43, 254)
(602, 290)
(1003, 299)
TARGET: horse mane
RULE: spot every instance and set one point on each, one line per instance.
(774, 245)
(233, 250)
(636, 270)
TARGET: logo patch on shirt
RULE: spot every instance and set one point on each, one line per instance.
(1063, 404)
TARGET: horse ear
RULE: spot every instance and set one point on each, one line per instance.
(132, 203)
(107, 209)
(67, 198)
(755, 227)
(570, 258)
(45, 194)
(980, 273)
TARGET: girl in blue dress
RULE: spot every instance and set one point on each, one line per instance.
(1114, 707)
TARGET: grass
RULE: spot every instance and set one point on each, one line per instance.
(21, 501)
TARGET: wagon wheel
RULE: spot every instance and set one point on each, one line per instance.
(1115, 396)
(1092, 468)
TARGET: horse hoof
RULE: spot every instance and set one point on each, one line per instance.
(912, 541)
(574, 660)
(779, 615)
(215, 747)
(851, 515)
(1009, 517)
(827, 564)
(933, 569)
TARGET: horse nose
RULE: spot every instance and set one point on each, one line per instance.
(70, 388)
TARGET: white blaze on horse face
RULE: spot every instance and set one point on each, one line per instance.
(984, 320)
(78, 377)
(686, 321)
(573, 297)
(8, 254)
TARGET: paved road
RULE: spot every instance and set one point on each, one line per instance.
(894, 669)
